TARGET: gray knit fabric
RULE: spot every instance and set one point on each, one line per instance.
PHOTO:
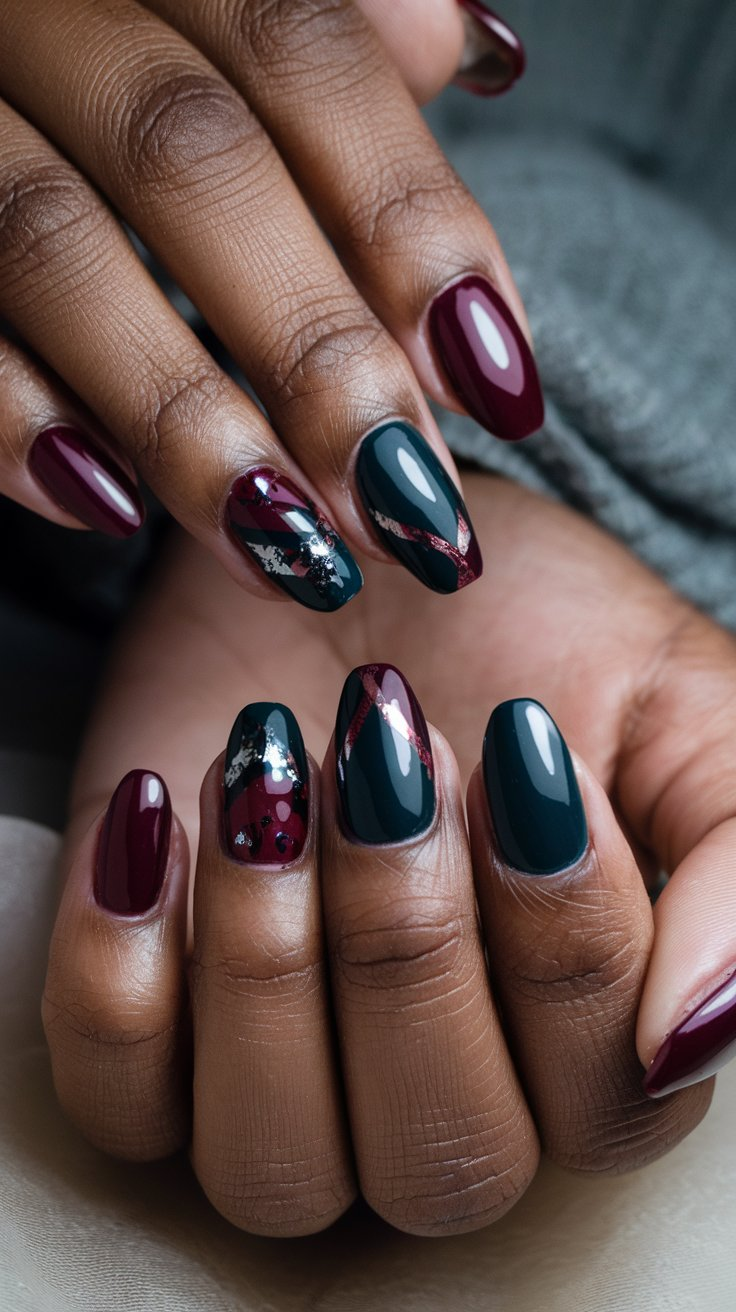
(610, 175)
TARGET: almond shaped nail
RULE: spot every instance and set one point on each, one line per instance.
(700, 1045)
(85, 481)
(134, 845)
(416, 510)
(487, 358)
(494, 57)
(266, 797)
(278, 526)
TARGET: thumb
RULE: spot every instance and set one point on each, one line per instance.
(434, 41)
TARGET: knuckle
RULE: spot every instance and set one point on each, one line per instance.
(273, 34)
(107, 1027)
(627, 1133)
(330, 352)
(297, 973)
(180, 124)
(301, 1195)
(422, 953)
(175, 413)
(467, 1182)
(45, 214)
(595, 966)
(396, 202)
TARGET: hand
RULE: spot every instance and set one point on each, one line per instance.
(443, 1137)
(223, 135)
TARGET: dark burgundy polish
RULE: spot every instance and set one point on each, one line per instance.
(699, 1047)
(134, 845)
(494, 58)
(86, 482)
(266, 797)
(487, 358)
(272, 520)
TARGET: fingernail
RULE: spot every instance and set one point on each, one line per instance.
(533, 795)
(385, 775)
(493, 58)
(416, 509)
(699, 1047)
(284, 532)
(86, 482)
(266, 802)
(134, 845)
(487, 358)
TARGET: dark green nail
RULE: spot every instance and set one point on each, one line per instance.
(384, 760)
(532, 791)
(415, 508)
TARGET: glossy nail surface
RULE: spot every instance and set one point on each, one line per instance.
(699, 1047)
(283, 532)
(86, 482)
(494, 58)
(134, 845)
(385, 774)
(532, 791)
(266, 795)
(487, 358)
(415, 508)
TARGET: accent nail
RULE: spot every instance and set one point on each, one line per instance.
(487, 358)
(385, 774)
(700, 1046)
(494, 58)
(86, 482)
(266, 802)
(134, 845)
(533, 795)
(416, 509)
(295, 546)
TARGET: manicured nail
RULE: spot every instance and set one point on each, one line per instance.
(699, 1047)
(266, 802)
(86, 482)
(493, 58)
(416, 509)
(487, 358)
(532, 791)
(283, 532)
(385, 775)
(134, 845)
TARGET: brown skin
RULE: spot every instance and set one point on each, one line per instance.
(442, 1136)
(225, 179)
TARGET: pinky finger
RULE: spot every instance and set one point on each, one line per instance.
(50, 463)
(114, 1006)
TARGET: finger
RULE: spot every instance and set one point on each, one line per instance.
(413, 239)
(569, 929)
(442, 1137)
(200, 181)
(49, 460)
(74, 289)
(269, 1148)
(114, 1006)
(677, 784)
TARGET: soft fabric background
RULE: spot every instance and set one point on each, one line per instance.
(611, 176)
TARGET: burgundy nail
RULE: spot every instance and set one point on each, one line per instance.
(266, 786)
(86, 482)
(494, 57)
(487, 358)
(699, 1047)
(134, 845)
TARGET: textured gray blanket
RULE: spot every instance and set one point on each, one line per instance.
(610, 174)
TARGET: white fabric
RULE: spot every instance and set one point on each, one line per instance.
(80, 1233)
